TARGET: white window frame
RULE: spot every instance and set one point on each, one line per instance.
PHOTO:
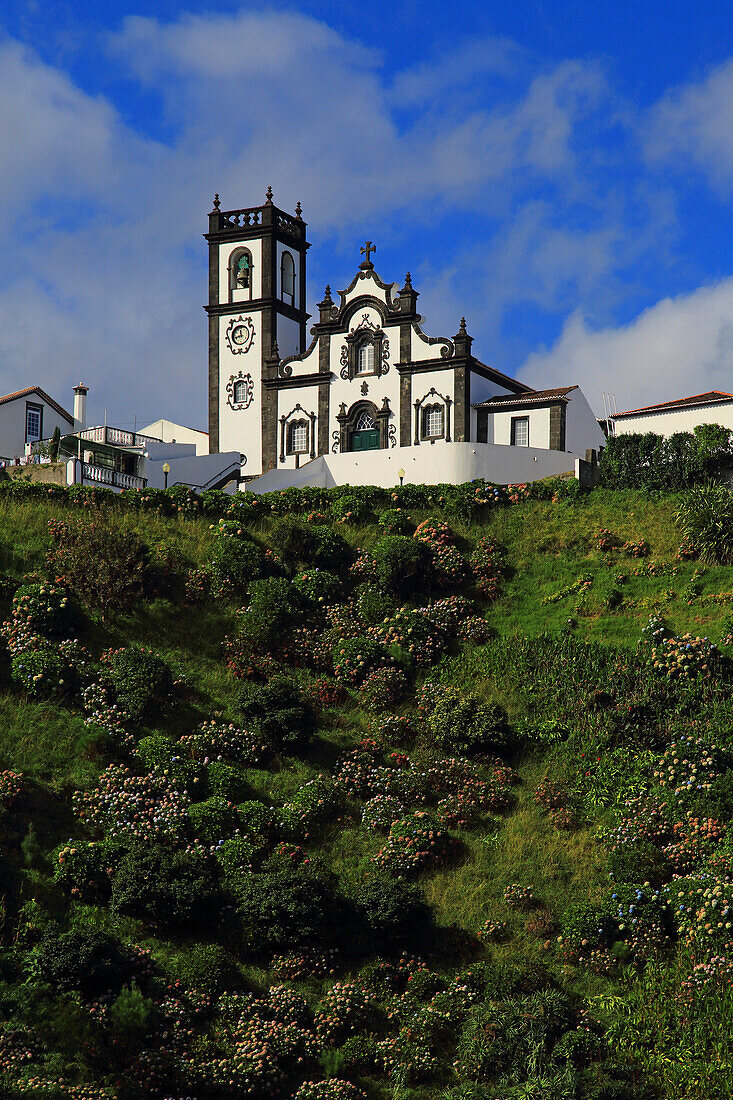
(296, 431)
(37, 412)
(365, 358)
(520, 423)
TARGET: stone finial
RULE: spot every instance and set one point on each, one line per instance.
(217, 204)
(298, 210)
(408, 281)
(268, 195)
(462, 328)
(275, 353)
(327, 299)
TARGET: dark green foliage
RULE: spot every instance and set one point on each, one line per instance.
(285, 909)
(318, 587)
(654, 462)
(132, 1015)
(705, 515)
(256, 818)
(394, 912)
(142, 682)
(86, 960)
(352, 507)
(403, 564)
(46, 609)
(163, 887)
(226, 782)
(395, 522)
(515, 1036)
(213, 820)
(206, 967)
(235, 561)
(374, 605)
(465, 724)
(42, 672)
(279, 711)
(274, 606)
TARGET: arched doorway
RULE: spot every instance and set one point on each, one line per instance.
(364, 436)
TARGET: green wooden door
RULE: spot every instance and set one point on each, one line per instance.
(367, 439)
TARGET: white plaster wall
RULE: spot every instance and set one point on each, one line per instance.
(225, 251)
(288, 336)
(241, 429)
(307, 398)
(12, 424)
(170, 432)
(539, 427)
(481, 390)
(582, 430)
(379, 386)
(455, 463)
(422, 383)
(196, 471)
(368, 285)
(420, 348)
(679, 420)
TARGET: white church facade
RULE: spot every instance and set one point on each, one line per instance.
(371, 393)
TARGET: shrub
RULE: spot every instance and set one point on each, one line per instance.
(132, 1015)
(286, 909)
(205, 967)
(87, 960)
(355, 658)
(44, 609)
(227, 782)
(705, 515)
(374, 605)
(121, 573)
(234, 561)
(351, 508)
(213, 820)
(164, 887)
(256, 818)
(383, 689)
(274, 605)
(318, 586)
(393, 912)
(142, 681)
(395, 522)
(282, 714)
(402, 563)
(41, 671)
(414, 843)
(467, 725)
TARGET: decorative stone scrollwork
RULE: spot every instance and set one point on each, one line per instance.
(240, 334)
(336, 441)
(364, 389)
(240, 391)
(392, 435)
(344, 361)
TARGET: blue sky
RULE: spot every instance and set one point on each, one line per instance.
(561, 173)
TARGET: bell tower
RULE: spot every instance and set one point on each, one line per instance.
(257, 315)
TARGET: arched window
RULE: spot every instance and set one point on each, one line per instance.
(297, 437)
(433, 422)
(240, 272)
(240, 392)
(365, 359)
(364, 422)
(287, 278)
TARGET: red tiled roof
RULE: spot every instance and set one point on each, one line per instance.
(518, 401)
(44, 397)
(713, 397)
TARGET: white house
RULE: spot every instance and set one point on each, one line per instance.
(371, 392)
(682, 415)
(26, 417)
(170, 432)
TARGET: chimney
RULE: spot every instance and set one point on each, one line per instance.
(80, 407)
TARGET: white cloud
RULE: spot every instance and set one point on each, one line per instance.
(693, 124)
(680, 346)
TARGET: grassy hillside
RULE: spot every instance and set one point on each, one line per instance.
(397, 808)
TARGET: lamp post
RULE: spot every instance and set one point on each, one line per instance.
(401, 475)
(166, 471)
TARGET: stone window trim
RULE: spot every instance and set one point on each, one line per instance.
(234, 281)
(292, 420)
(366, 333)
(347, 420)
(519, 422)
(425, 405)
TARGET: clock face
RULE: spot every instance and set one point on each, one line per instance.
(239, 334)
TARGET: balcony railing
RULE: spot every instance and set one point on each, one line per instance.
(101, 475)
(117, 437)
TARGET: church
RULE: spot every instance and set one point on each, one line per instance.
(371, 397)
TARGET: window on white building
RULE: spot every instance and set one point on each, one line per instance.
(365, 359)
(297, 437)
(287, 278)
(240, 392)
(32, 424)
(433, 422)
(520, 431)
(240, 271)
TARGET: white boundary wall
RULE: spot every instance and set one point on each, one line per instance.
(423, 465)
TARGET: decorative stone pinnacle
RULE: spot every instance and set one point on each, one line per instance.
(268, 194)
(327, 299)
(275, 350)
(408, 280)
(298, 210)
(462, 328)
(217, 204)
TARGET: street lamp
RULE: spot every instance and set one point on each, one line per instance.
(401, 475)
(166, 471)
